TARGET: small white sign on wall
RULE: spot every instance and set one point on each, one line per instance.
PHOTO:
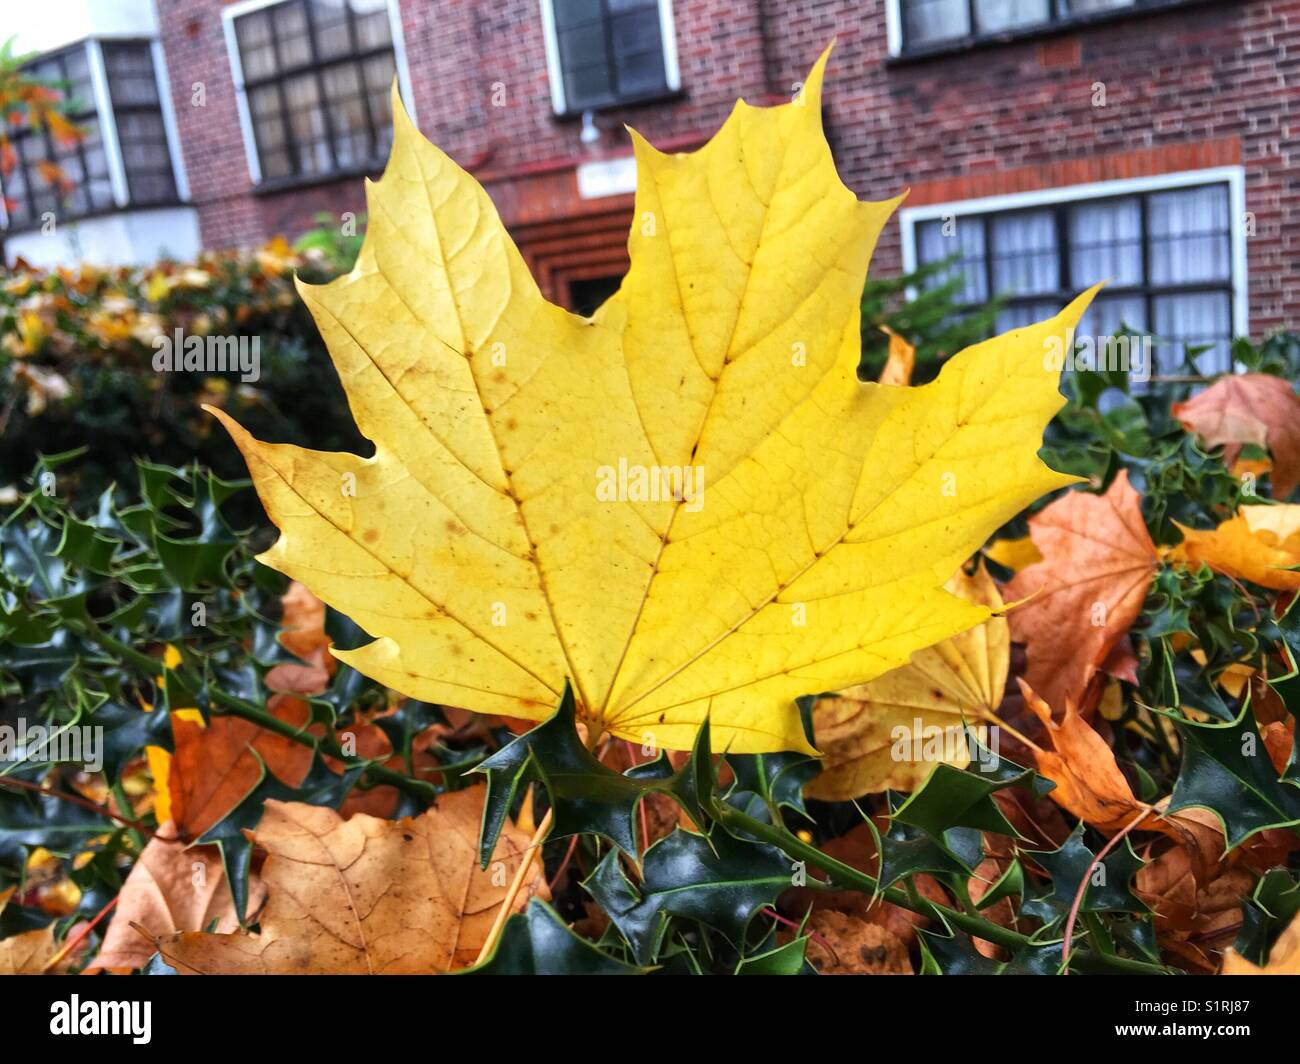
(608, 177)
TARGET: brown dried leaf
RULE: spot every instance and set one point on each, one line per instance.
(368, 896)
(1253, 408)
(171, 888)
(1098, 561)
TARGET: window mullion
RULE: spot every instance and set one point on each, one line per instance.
(989, 294)
(607, 24)
(1144, 234)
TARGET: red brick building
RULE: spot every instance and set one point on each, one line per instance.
(1046, 143)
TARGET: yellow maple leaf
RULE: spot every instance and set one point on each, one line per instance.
(890, 733)
(686, 505)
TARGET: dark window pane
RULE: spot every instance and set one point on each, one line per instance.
(130, 72)
(609, 51)
(574, 12)
(641, 75)
(583, 46)
(635, 31)
(587, 87)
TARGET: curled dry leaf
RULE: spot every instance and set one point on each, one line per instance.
(30, 952)
(1258, 543)
(303, 627)
(171, 888)
(901, 361)
(1082, 598)
(891, 732)
(1088, 780)
(366, 896)
(703, 439)
(1253, 408)
(1194, 914)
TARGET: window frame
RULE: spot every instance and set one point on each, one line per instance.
(248, 128)
(101, 109)
(555, 66)
(1060, 198)
(1056, 22)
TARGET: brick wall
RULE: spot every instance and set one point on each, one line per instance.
(1196, 87)
(1201, 86)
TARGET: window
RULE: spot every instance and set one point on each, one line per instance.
(927, 24)
(124, 158)
(602, 53)
(29, 191)
(1167, 252)
(315, 77)
(141, 133)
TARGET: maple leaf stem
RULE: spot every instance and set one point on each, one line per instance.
(530, 854)
(256, 714)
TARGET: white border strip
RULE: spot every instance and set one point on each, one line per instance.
(169, 121)
(894, 27)
(107, 124)
(1233, 176)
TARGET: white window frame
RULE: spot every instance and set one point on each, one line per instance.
(555, 70)
(107, 118)
(244, 7)
(1233, 176)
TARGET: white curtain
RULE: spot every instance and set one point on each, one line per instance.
(1188, 231)
(928, 21)
(963, 238)
(1025, 258)
(1087, 7)
(1202, 318)
(993, 16)
(1106, 243)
